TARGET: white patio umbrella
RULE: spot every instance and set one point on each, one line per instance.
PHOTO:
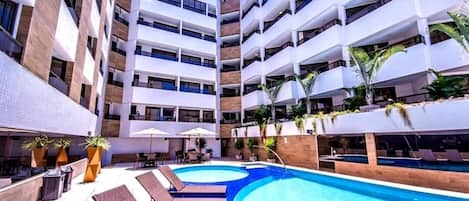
(198, 132)
(151, 132)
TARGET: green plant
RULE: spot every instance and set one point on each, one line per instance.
(307, 84)
(261, 116)
(37, 142)
(368, 65)
(200, 143)
(270, 144)
(460, 33)
(319, 116)
(402, 111)
(272, 94)
(278, 128)
(62, 142)
(299, 123)
(252, 143)
(239, 144)
(299, 109)
(445, 87)
(95, 142)
(357, 100)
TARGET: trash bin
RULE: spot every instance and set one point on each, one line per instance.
(52, 185)
(68, 172)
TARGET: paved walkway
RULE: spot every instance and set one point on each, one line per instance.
(113, 176)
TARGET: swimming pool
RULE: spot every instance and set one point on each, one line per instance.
(266, 182)
(210, 174)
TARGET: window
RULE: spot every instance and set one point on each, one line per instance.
(58, 67)
(190, 87)
(189, 115)
(163, 53)
(191, 59)
(160, 83)
(209, 89)
(7, 15)
(195, 6)
(168, 114)
(208, 117)
(152, 113)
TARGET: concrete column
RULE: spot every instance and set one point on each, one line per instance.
(296, 69)
(294, 38)
(201, 115)
(178, 83)
(176, 113)
(346, 56)
(180, 27)
(179, 54)
(371, 149)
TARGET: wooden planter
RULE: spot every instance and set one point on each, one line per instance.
(94, 163)
(38, 155)
(62, 158)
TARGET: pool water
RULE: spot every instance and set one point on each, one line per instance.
(274, 184)
(210, 174)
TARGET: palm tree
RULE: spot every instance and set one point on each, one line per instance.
(307, 84)
(272, 94)
(460, 33)
(367, 66)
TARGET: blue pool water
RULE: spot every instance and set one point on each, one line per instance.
(274, 184)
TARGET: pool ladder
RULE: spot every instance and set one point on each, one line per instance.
(276, 155)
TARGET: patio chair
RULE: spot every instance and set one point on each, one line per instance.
(141, 158)
(193, 157)
(427, 155)
(453, 155)
(181, 188)
(206, 157)
(120, 193)
(179, 156)
(157, 192)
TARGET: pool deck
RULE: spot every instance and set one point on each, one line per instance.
(116, 175)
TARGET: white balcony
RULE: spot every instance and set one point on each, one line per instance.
(160, 66)
(66, 35)
(252, 71)
(319, 44)
(174, 12)
(253, 99)
(403, 64)
(171, 127)
(252, 19)
(95, 19)
(448, 55)
(424, 118)
(311, 12)
(335, 80)
(279, 31)
(282, 59)
(289, 92)
(160, 37)
(56, 112)
(88, 69)
(152, 96)
(381, 19)
(429, 8)
(272, 8)
(253, 44)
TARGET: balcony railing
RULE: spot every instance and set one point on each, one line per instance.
(210, 38)
(248, 90)
(248, 62)
(308, 34)
(119, 51)
(409, 42)
(150, 118)
(277, 82)
(300, 4)
(9, 45)
(245, 38)
(159, 26)
(320, 68)
(112, 116)
(193, 8)
(249, 9)
(164, 86)
(116, 83)
(366, 10)
(199, 63)
(196, 90)
(58, 83)
(272, 51)
(269, 24)
(172, 2)
(156, 55)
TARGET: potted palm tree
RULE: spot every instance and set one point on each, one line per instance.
(270, 145)
(37, 146)
(272, 94)
(278, 128)
(367, 67)
(261, 116)
(94, 147)
(307, 84)
(61, 144)
(239, 144)
(460, 33)
(252, 143)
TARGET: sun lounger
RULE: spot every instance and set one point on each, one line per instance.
(453, 155)
(120, 193)
(427, 155)
(158, 193)
(181, 188)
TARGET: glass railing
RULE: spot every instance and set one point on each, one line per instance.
(164, 85)
(309, 34)
(269, 24)
(190, 89)
(156, 55)
(9, 45)
(58, 83)
(357, 15)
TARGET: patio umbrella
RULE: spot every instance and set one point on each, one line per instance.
(198, 132)
(151, 132)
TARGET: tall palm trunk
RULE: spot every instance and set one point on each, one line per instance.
(272, 111)
(369, 95)
(308, 105)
